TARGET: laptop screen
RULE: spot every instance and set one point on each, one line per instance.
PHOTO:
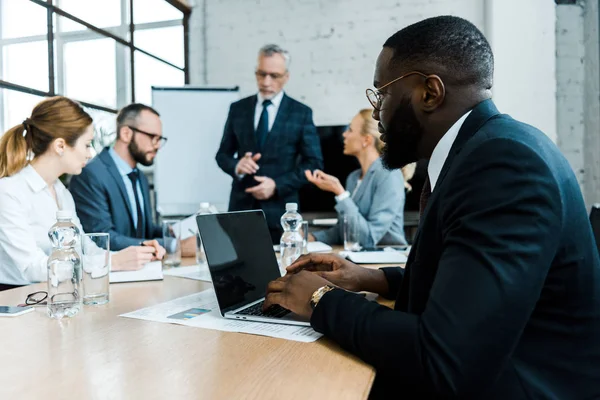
(240, 256)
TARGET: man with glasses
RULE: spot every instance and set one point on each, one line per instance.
(268, 142)
(499, 298)
(112, 194)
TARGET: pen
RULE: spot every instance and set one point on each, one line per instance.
(144, 244)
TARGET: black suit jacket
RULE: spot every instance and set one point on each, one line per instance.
(501, 294)
(291, 146)
(103, 206)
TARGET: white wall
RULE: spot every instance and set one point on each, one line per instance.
(570, 79)
(522, 35)
(333, 44)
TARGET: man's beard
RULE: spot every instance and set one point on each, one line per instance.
(402, 137)
(138, 155)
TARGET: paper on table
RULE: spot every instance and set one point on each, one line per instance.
(375, 257)
(312, 247)
(200, 310)
(197, 272)
(152, 271)
(316, 247)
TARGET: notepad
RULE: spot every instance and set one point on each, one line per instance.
(324, 221)
(152, 271)
(318, 247)
(312, 247)
(375, 257)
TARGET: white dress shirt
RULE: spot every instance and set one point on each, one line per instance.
(27, 211)
(442, 149)
(272, 109)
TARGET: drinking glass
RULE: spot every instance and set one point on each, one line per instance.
(95, 249)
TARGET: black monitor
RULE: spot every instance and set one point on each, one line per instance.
(313, 199)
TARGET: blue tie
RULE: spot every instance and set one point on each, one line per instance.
(262, 130)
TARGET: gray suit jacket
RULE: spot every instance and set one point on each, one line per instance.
(379, 203)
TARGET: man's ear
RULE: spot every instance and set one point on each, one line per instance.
(434, 93)
(125, 134)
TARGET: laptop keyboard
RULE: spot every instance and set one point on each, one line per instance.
(275, 311)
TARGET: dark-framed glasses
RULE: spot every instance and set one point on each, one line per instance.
(374, 95)
(156, 139)
(35, 299)
(274, 75)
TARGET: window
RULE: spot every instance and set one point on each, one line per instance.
(96, 55)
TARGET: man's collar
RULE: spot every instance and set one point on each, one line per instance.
(275, 100)
(442, 149)
(121, 164)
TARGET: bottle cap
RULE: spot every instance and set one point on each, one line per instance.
(291, 206)
(63, 214)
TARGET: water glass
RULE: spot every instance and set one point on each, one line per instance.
(95, 249)
(172, 237)
(351, 233)
(304, 233)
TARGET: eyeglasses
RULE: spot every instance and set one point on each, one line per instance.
(156, 139)
(375, 96)
(35, 299)
(273, 75)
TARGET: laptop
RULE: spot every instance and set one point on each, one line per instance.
(241, 261)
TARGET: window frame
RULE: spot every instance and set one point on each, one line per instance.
(125, 66)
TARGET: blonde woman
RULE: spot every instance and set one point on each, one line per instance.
(373, 193)
(54, 140)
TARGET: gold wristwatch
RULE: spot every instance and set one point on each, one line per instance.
(316, 296)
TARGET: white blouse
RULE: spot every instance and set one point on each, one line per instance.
(27, 211)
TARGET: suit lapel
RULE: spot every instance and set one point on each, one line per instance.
(249, 124)
(114, 172)
(366, 180)
(147, 207)
(280, 118)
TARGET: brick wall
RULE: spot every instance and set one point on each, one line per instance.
(333, 44)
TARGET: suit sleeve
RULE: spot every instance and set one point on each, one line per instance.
(228, 148)
(388, 203)
(91, 202)
(310, 158)
(500, 219)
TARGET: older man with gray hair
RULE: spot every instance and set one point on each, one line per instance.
(268, 141)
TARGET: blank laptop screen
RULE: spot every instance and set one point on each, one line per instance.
(240, 256)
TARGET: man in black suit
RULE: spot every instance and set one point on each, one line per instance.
(268, 142)
(500, 298)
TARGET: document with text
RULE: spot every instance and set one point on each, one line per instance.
(200, 310)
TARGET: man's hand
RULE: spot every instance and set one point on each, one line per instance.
(132, 258)
(294, 292)
(159, 251)
(247, 164)
(323, 181)
(265, 190)
(341, 272)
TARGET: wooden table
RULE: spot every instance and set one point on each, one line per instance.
(98, 355)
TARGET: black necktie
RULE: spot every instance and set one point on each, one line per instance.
(139, 229)
(262, 129)
(425, 193)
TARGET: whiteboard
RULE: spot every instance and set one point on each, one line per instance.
(186, 172)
